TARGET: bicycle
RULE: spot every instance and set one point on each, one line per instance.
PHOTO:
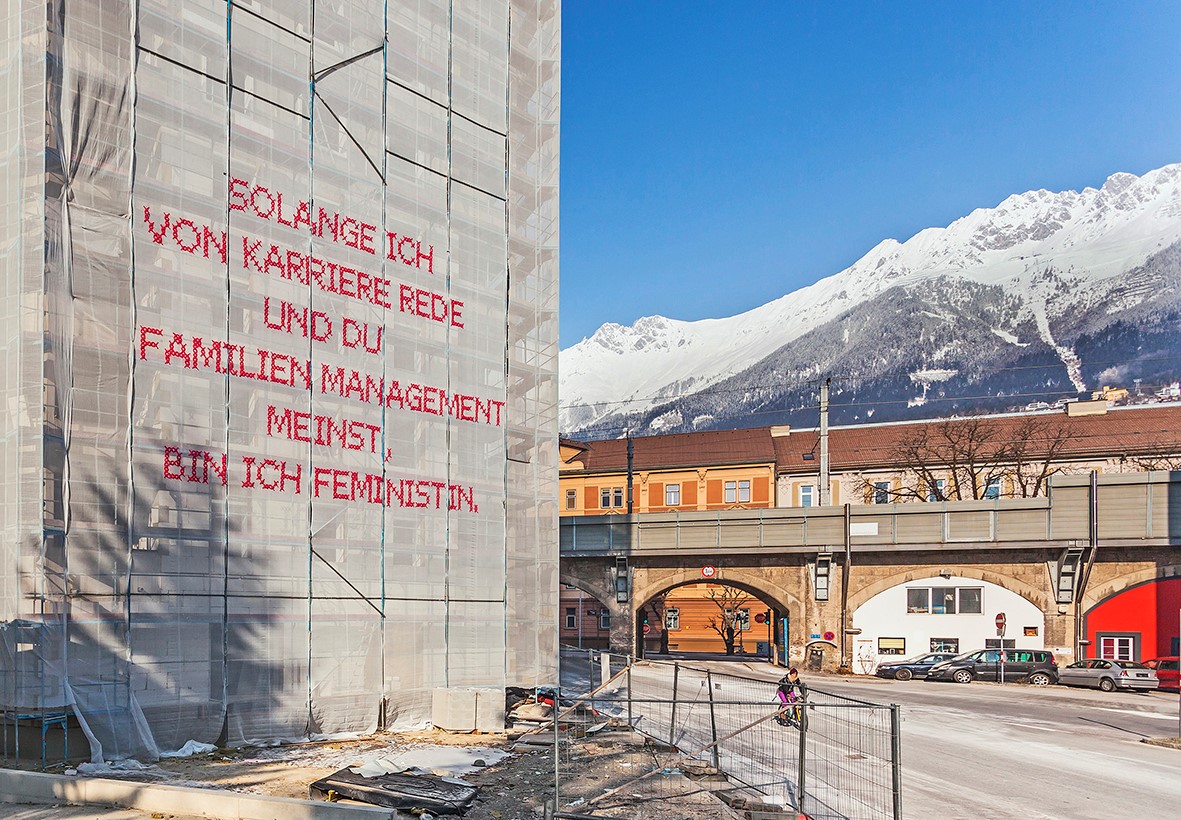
(791, 713)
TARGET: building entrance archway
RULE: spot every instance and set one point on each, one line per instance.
(688, 618)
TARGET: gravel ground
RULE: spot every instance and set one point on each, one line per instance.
(517, 784)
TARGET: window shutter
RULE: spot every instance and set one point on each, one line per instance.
(758, 490)
(713, 492)
(689, 493)
(592, 498)
(655, 494)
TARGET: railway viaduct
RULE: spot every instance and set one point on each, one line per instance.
(1092, 537)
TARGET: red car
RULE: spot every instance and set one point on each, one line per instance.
(1166, 671)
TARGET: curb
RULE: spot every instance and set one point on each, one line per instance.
(53, 789)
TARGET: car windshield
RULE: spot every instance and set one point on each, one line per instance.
(1129, 665)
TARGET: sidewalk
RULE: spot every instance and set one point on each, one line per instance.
(12, 811)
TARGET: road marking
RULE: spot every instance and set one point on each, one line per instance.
(1134, 713)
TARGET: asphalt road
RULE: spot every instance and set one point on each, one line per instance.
(1019, 751)
(986, 750)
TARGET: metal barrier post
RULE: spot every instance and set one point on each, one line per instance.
(896, 758)
(713, 723)
(630, 723)
(557, 754)
(800, 776)
(672, 715)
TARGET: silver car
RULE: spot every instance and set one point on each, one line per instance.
(1100, 673)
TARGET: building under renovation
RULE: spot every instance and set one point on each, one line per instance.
(279, 338)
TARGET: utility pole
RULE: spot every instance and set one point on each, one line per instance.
(823, 488)
(631, 452)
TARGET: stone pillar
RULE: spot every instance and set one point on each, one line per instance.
(623, 628)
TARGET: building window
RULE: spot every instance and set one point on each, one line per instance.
(610, 497)
(946, 645)
(891, 646)
(881, 492)
(672, 495)
(937, 491)
(604, 620)
(672, 619)
(993, 490)
(1119, 647)
(998, 643)
(737, 492)
(969, 601)
(741, 619)
(807, 495)
(571, 499)
(571, 618)
(945, 600)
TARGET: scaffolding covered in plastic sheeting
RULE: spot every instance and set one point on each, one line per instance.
(279, 338)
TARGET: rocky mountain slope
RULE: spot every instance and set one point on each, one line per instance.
(1044, 296)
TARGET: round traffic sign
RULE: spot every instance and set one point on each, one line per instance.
(760, 618)
(647, 628)
(1000, 620)
(709, 571)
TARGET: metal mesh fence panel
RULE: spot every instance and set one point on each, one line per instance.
(839, 757)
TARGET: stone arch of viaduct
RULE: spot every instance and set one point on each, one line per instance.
(785, 584)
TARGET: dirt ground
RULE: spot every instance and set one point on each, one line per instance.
(514, 788)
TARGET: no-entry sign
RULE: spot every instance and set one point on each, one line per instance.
(1000, 624)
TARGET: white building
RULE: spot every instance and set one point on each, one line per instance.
(942, 614)
(279, 333)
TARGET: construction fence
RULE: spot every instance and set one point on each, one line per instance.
(679, 732)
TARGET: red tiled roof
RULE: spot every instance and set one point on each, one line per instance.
(1131, 431)
(751, 446)
(1155, 429)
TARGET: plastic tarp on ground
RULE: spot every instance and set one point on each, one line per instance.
(279, 339)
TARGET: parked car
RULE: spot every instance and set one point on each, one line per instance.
(1036, 666)
(1166, 671)
(1108, 675)
(915, 667)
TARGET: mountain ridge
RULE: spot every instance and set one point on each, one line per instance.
(1063, 262)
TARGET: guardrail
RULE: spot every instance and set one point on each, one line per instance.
(1131, 508)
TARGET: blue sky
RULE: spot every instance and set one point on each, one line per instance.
(717, 155)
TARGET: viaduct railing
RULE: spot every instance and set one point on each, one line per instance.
(1128, 509)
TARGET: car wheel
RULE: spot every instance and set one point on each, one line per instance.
(903, 674)
(962, 676)
(1040, 679)
(1107, 684)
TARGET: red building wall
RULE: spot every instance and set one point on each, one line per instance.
(1151, 609)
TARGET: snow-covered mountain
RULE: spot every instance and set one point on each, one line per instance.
(1046, 294)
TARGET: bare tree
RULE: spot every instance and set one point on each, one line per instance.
(1155, 462)
(957, 460)
(1036, 449)
(728, 622)
(951, 460)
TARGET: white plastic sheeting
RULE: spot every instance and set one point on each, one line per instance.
(279, 332)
